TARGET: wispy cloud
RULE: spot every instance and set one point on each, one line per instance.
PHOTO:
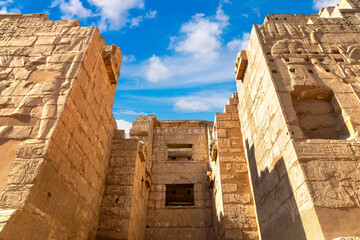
(135, 22)
(318, 4)
(130, 112)
(151, 14)
(256, 11)
(202, 102)
(238, 44)
(124, 125)
(207, 100)
(129, 59)
(6, 9)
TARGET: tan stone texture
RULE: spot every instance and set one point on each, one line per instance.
(233, 205)
(56, 127)
(297, 101)
(186, 222)
(125, 199)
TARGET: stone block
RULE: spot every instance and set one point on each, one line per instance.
(228, 188)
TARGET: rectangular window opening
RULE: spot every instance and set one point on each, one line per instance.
(179, 152)
(180, 195)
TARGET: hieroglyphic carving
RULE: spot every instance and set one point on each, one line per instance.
(324, 149)
(336, 193)
(30, 150)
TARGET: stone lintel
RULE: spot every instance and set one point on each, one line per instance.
(242, 66)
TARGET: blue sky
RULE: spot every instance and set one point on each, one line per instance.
(178, 54)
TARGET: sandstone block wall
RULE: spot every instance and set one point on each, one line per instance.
(185, 222)
(124, 206)
(117, 204)
(297, 102)
(268, 147)
(56, 120)
(234, 213)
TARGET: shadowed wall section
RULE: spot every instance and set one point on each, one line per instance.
(233, 205)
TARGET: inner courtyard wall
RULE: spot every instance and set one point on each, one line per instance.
(179, 222)
(233, 205)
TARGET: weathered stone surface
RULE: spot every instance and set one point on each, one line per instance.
(234, 216)
(297, 97)
(54, 154)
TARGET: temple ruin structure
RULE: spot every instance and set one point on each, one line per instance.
(281, 162)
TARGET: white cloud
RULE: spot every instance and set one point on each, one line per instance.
(151, 14)
(202, 102)
(5, 5)
(256, 11)
(135, 22)
(129, 59)
(184, 68)
(6, 2)
(183, 71)
(157, 71)
(130, 112)
(124, 125)
(201, 36)
(106, 14)
(191, 104)
(318, 4)
(4, 10)
(238, 44)
(72, 9)
(115, 13)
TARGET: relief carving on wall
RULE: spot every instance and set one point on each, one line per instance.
(36, 73)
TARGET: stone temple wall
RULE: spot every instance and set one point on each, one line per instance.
(124, 206)
(57, 87)
(234, 213)
(116, 203)
(298, 86)
(185, 222)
